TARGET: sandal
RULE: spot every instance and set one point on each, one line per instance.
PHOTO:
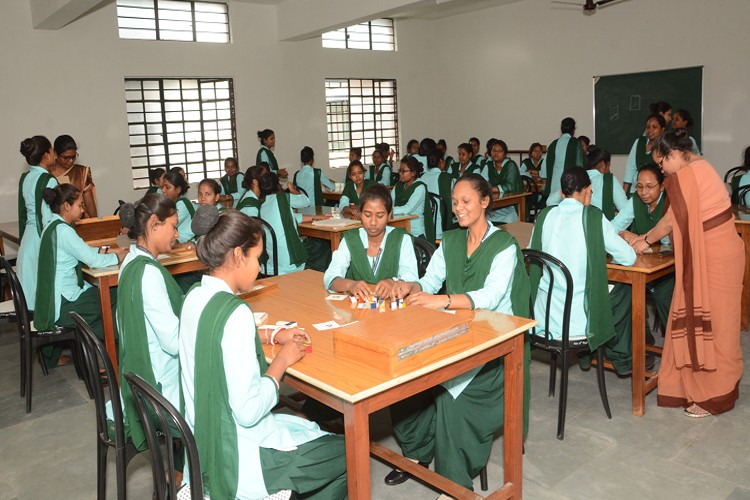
(695, 411)
(64, 360)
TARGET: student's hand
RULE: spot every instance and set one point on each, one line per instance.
(628, 236)
(293, 335)
(291, 352)
(292, 188)
(427, 300)
(360, 289)
(384, 288)
(391, 154)
(283, 173)
(124, 230)
(321, 217)
(353, 211)
(639, 244)
(401, 289)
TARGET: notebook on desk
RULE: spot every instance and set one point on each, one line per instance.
(335, 223)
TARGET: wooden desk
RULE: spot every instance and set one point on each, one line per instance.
(357, 390)
(332, 196)
(742, 221)
(334, 234)
(507, 200)
(88, 229)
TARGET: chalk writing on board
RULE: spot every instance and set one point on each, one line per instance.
(614, 112)
(635, 103)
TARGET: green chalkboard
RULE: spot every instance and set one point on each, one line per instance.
(621, 103)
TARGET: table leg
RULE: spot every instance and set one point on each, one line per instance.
(522, 209)
(335, 241)
(108, 324)
(513, 435)
(638, 316)
(357, 436)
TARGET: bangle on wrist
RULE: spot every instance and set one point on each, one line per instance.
(645, 238)
(449, 303)
(273, 336)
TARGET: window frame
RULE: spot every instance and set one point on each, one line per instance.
(158, 19)
(329, 39)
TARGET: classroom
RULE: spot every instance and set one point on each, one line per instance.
(510, 69)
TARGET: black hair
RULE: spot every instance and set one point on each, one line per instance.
(264, 134)
(533, 146)
(376, 150)
(233, 160)
(356, 151)
(155, 173)
(62, 193)
(215, 186)
(584, 140)
(660, 119)
(175, 178)
(746, 158)
(427, 146)
(377, 192)
(413, 164)
(491, 143)
(481, 186)
(574, 180)
(568, 126)
(501, 143)
(659, 107)
(473, 140)
(268, 184)
(134, 217)
(685, 114)
(265, 166)
(467, 147)
(677, 140)
(64, 143)
(355, 163)
(306, 155)
(384, 148)
(442, 142)
(251, 174)
(34, 148)
(655, 169)
(595, 156)
(230, 230)
(433, 159)
(411, 143)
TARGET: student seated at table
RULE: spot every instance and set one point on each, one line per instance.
(478, 159)
(449, 162)
(439, 183)
(209, 193)
(156, 179)
(505, 178)
(249, 203)
(33, 212)
(229, 389)
(410, 198)
(60, 286)
(312, 180)
(231, 182)
(640, 216)
(355, 154)
(482, 268)
(349, 202)
(607, 193)
(412, 147)
(149, 306)
(380, 170)
(465, 165)
(580, 236)
(175, 186)
(532, 165)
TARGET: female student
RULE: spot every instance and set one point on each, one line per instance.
(702, 360)
(481, 268)
(175, 186)
(265, 154)
(310, 179)
(607, 194)
(67, 171)
(683, 119)
(380, 170)
(448, 160)
(60, 286)
(533, 164)
(249, 203)
(156, 179)
(465, 164)
(410, 198)
(412, 147)
(640, 153)
(439, 183)
(355, 154)
(33, 212)
(350, 197)
(563, 153)
(149, 306)
(209, 193)
(504, 178)
(664, 109)
(231, 182)
(229, 389)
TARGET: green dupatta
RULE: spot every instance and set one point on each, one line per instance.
(350, 190)
(643, 221)
(272, 163)
(297, 253)
(23, 215)
(229, 184)
(508, 178)
(608, 202)
(573, 152)
(402, 196)
(44, 309)
(188, 205)
(249, 201)
(215, 429)
(360, 267)
(377, 172)
(445, 191)
(597, 306)
(133, 347)
(642, 157)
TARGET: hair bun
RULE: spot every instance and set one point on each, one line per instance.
(204, 220)
(127, 215)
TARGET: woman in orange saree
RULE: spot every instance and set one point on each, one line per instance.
(702, 361)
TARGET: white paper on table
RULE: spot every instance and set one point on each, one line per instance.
(337, 296)
(330, 325)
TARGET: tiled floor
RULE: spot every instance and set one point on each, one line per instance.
(50, 453)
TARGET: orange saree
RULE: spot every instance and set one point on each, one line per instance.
(702, 359)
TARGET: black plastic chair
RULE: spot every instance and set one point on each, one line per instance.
(565, 346)
(153, 407)
(395, 177)
(436, 203)
(31, 340)
(274, 248)
(732, 177)
(109, 433)
(423, 249)
(533, 201)
(740, 194)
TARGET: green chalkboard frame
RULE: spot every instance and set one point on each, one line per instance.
(621, 103)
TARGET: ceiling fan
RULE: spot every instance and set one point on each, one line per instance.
(589, 7)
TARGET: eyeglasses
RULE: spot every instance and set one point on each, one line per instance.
(662, 159)
(402, 171)
(69, 157)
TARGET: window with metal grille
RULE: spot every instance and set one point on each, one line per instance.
(186, 122)
(180, 20)
(372, 35)
(360, 113)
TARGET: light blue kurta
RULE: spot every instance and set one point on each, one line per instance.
(184, 220)
(28, 251)
(597, 190)
(71, 249)
(252, 396)
(264, 158)
(344, 201)
(240, 190)
(306, 180)
(342, 258)
(505, 214)
(423, 160)
(251, 211)
(384, 167)
(625, 217)
(631, 169)
(745, 181)
(415, 206)
(430, 177)
(269, 212)
(525, 171)
(557, 169)
(563, 238)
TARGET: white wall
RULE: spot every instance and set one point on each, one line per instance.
(515, 71)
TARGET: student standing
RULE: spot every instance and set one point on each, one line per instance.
(265, 154)
(683, 119)
(564, 153)
(640, 153)
(175, 186)
(310, 179)
(410, 198)
(229, 389)
(505, 178)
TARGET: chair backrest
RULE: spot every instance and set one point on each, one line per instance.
(4, 276)
(395, 177)
(437, 205)
(150, 402)
(741, 195)
(23, 318)
(274, 247)
(96, 359)
(734, 172)
(548, 265)
(423, 249)
(529, 186)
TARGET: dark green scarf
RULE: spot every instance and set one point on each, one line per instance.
(445, 191)
(215, 430)
(297, 253)
(529, 164)
(454, 169)
(229, 184)
(643, 221)
(402, 198)
(597, 306)
(41, 184)
(44, 310)
(350, 191)
(317, 187)
(188, 205)
(133, 347)
(249, 201)
(360, 268)
(642, 157)
(573, 152)
(377, 172)
(508, 178)
(608, 202)
(478, 160)
(272, 164)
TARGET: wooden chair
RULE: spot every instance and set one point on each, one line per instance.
(563, 347)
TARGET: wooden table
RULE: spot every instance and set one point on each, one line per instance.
(509, 199)
(334, 234)
(742, 221)
(88, 229)
(357, 390)
(332, 196)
